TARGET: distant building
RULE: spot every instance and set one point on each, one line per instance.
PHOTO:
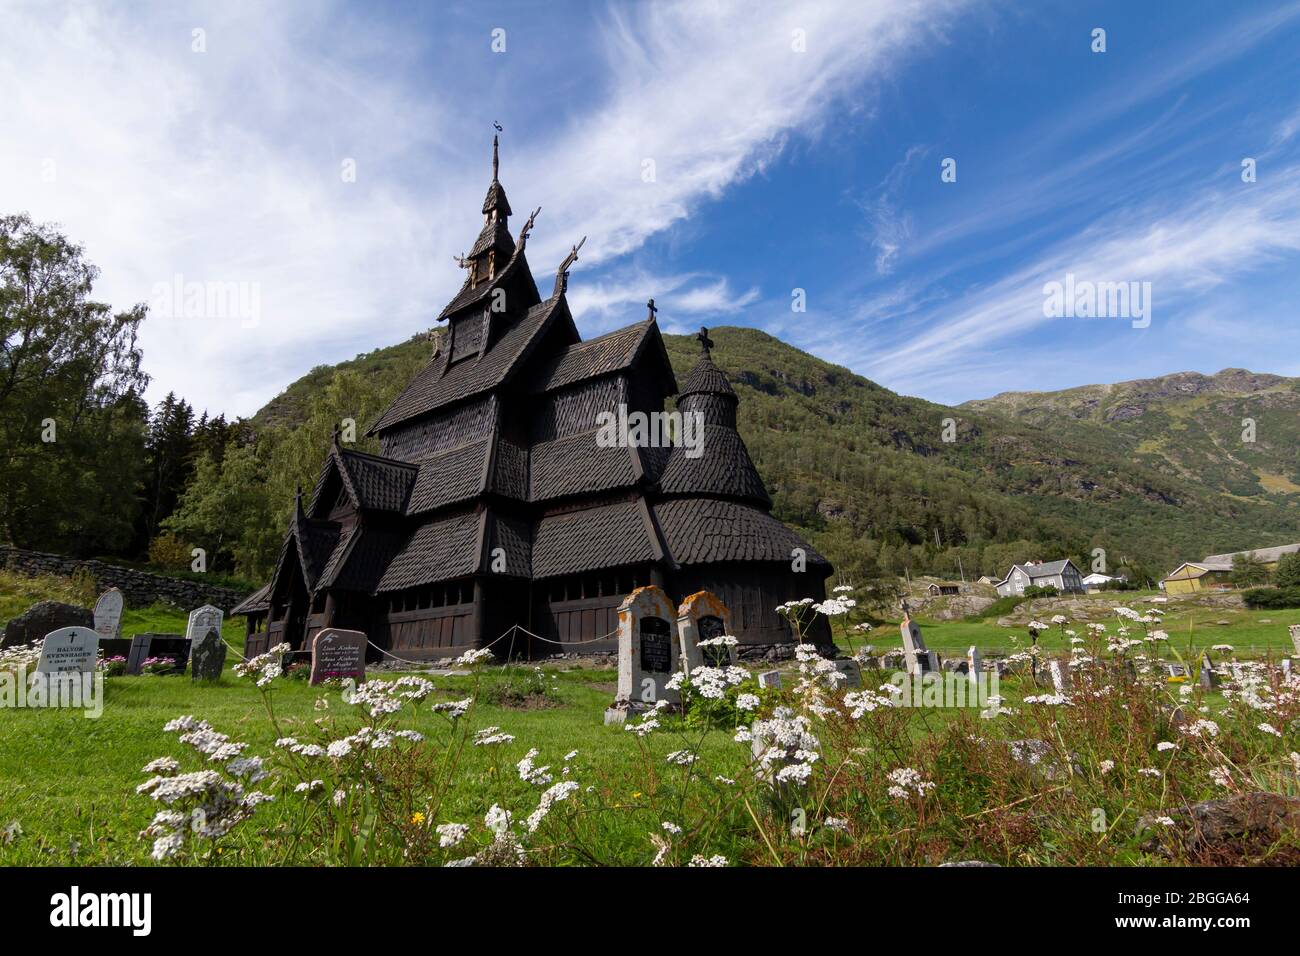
(988, 579)
(935, 590)
(1214, 573)
(1062, 575)
(1093, 582)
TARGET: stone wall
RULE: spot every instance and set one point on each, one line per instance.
(140, 588)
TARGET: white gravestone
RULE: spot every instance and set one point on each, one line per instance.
(919, 659)
(648, 654)
(703, 617)
(69, 650)
(202, 620)
(973, 664)
(1295, 638)
(770, 679)
(108, 614)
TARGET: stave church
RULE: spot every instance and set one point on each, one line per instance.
(497, 498)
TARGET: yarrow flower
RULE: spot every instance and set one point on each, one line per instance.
(907, 781)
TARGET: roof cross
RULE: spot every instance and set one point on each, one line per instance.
(651, 309)
(706, 343)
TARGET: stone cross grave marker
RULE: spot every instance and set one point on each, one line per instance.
(703, 617)
(919, 659)
(973, 664)
(108, 614)
(338, 653)
(202, 620)
(207, 656)
(648, 654)
(69, 650)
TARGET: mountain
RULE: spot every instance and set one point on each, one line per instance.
(1236, 432)
(1143, 470)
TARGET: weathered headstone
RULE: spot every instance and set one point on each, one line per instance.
(852, 675)
(69, 650)
(42, 618)
(648, 654)
(973, 664)
(1208, 678)
(207, 656)
(338, 653)
(1295, 637)
(920, 660)
(1173, 669)
(703, 617)
(770, 679)
(108, 614)
(202, 620)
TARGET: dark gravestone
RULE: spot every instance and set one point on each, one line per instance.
(656, 645)
(144, 646)
(713, 655)
(208, 656)
(338, 653)
(44, 618)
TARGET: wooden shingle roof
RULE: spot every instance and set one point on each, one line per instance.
(703, 531)
(577, 465)
(438, 550)
(437, 385)
(607, 353)
(449, 477)
(593, 539)
(723, 468)
(255, 603)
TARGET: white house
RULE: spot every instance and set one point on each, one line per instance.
(1062, 575)
(1094, 581)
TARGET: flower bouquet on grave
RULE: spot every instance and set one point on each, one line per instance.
(114, 666)
(158, 665)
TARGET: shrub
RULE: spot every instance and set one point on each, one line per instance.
(998, 608)
(1046, 590)
(1272, 598)
(169, 551)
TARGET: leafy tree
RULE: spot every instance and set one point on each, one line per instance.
(71, 417)
(1287, 574)
(1248, 571)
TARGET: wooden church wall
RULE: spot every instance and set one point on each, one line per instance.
(752, 593)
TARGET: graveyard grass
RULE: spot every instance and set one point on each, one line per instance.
(68, 784)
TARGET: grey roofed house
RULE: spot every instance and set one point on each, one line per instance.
(494, 504)
(1062, 575)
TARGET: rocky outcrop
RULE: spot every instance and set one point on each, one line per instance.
(1241, 825)
(140, 588)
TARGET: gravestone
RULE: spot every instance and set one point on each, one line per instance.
(42, 618)
(770, 679)
(1295, 638)
(919, 659)
(1285, 664)
(703, 617)
(108, 614)
(69, 650)
(207, 656)
(174, 647)
(1173, 669)
(648, 654)
(973, 664)
(201, 621)
(1208, 678)
(852, 675)
(336, 653)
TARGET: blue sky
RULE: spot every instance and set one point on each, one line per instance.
(215, 157)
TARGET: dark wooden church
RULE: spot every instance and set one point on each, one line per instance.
(493, 503)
